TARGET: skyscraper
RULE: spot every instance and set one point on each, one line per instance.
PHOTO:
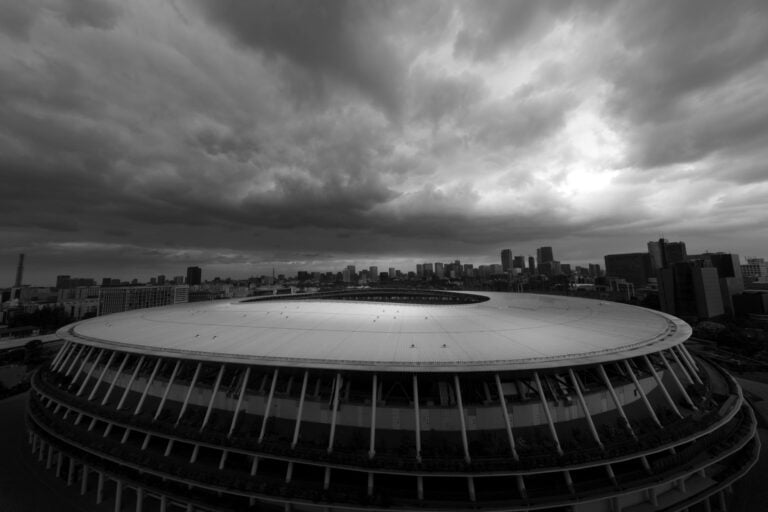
(194, 276)
(544, 255)
(635, 267)
(19, 271)
(506, 259)
(664, 253)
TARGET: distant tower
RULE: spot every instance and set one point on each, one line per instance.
(506, 259)
(19, 271)
(194, 276)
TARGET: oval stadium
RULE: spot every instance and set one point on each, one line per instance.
(391, 400)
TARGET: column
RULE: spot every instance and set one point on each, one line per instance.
(71, 472)
(642, 393)
(507, 420)
(65, 359)
(139, 499)
(213, 397)
(471, 488)
(100, 488)
(661, 385)
(334, 412)
(130, 383)
(146, 388)
(268, 406)
(114, 380)
(82, 365)
(419, 487)
(59, 461)
(460, 404)
(84, 480)
(374, 400)
(74, 359)
(118, 495)
(678, 383)
(296, 428)
(189, 391)
(543, 399)
(90, 372)
(616, 401)
(417, 416)
(583, 403)
(688, 361)
(243, 387)
(101, 375)
(64, 347)
(167, 389)
(682, 367)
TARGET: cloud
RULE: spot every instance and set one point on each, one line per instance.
(235, 133)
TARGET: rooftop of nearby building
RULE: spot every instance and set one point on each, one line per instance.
(392, 331)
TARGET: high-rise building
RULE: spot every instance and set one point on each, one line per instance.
(518, 262)
(754, 270)
(194, 276)
(419, 270)
(544, 255)
(594, 270)
(161, 279)
(635, 267)
(392, 273)
(531, 265)
(729, 274)
(62, 282)
(506, 259)
(664, 253)
(690, 289)
(429, 269)
(373, 272)
(439, 270)
(19, 271)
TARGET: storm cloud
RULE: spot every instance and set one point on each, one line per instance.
(143, 137)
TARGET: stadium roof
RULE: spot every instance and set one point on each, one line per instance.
(509, 331)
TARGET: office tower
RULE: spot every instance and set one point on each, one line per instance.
(161, 279)
(392, 273)
(664, 253)
(635, 267)
(506, 259)
(19, 271)
(729, 274)
(194, 276)
(594, 270)
(439, 270)
(690, 289)
(429, 269)
(518, 262)
(373, 272)
(544, 255)
(754, 270)
(62, 281)
(531, 265)
(419, 270)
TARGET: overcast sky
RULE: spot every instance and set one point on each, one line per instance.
(141, 137)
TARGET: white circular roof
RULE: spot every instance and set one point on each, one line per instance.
(510, 331)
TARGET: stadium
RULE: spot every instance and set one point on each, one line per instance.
(391, 400)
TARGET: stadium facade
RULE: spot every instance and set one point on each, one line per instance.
(397, 399)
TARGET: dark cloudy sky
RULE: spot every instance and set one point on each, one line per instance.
(141, 137)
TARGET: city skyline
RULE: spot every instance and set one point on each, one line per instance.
(143, 138)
